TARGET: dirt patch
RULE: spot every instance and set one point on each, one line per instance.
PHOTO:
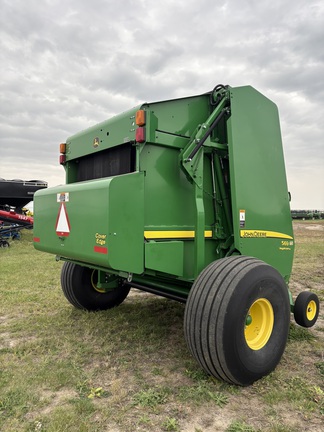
(52, 400)
(315, 227)
(8, 341)
(310, 227)
(208, 420)
(5, 320)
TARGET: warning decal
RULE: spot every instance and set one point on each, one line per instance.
(242, 218)
(62, 223)
(63, 197)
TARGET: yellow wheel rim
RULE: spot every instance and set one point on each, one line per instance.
(311, 310)
(94, 283)
(259, 324)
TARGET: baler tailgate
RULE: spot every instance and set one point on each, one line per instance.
(99, 222)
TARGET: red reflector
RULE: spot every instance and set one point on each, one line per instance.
(62, 233)
(100, 249)
(62, 159)
(36, 239)
(140, 135)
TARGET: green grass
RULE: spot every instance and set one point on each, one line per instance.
(129, 369)
(238, 426)
(309, 256)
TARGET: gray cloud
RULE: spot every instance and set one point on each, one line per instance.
(68, 65)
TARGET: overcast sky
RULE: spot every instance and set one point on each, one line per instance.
(67, 65)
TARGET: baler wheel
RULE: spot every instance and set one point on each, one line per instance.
(306, 309)
(237, 319)
(78, 286)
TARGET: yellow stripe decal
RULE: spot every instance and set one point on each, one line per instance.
(263, 234)
(173, 234)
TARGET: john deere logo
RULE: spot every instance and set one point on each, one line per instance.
(96, 142)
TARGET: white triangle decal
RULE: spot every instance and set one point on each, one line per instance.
(62, 224)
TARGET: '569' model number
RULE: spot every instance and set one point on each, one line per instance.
(287, 243)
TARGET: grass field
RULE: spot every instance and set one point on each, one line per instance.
(128, 369)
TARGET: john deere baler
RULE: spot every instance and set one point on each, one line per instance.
(187, 199)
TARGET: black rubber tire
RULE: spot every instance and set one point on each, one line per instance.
(304, 301)
(76, 282)
(216, 314)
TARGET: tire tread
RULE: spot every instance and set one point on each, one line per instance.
(206, 309)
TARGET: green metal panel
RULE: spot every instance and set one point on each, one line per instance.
(165, 256)
(110, 133)
(173, 122)
(170, 201)
(101, 224)
(260, 202)
(168, 194)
